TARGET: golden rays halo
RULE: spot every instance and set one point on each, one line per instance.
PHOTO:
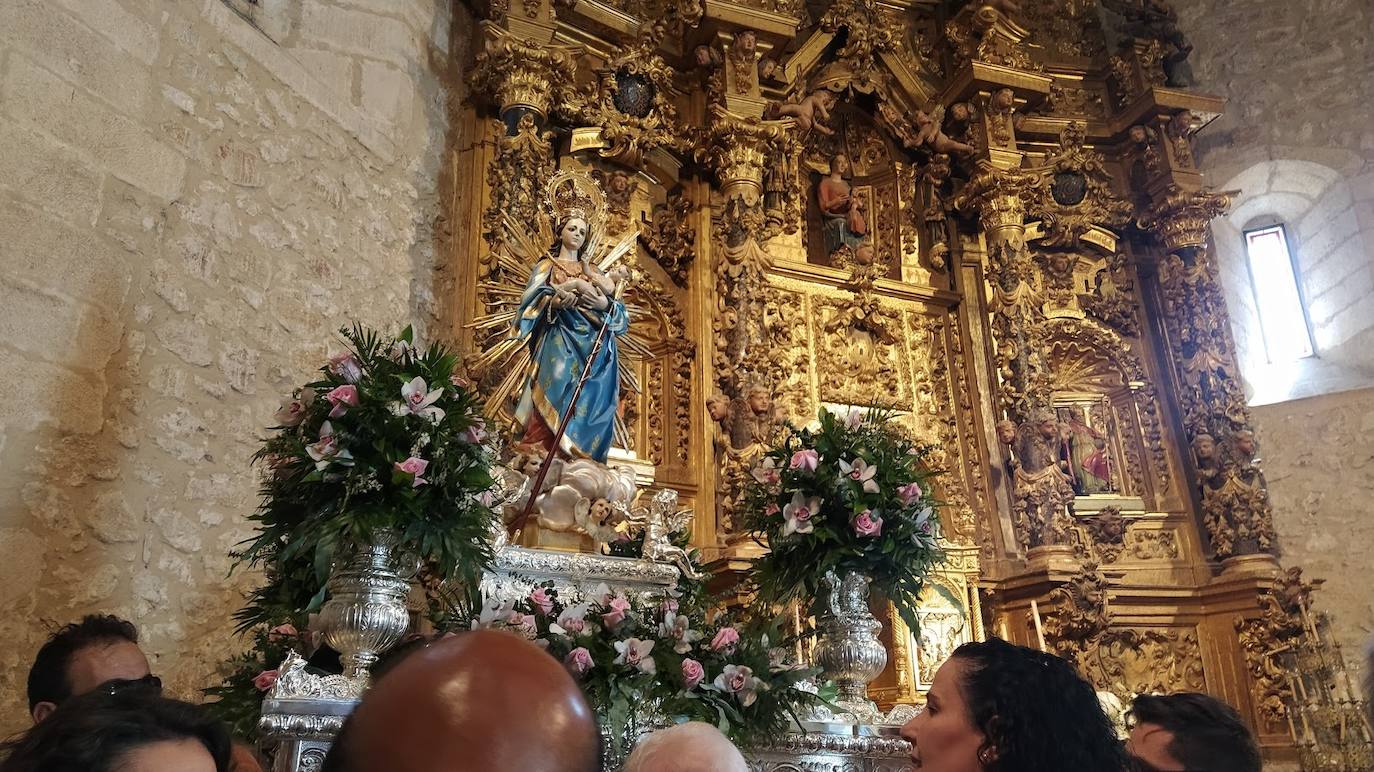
(504, 362)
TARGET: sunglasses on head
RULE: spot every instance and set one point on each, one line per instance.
(115, 686)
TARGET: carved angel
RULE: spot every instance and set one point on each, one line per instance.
(660, 520)
(809, 112)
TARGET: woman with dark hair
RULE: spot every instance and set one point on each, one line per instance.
(996, 707)
(113, 730)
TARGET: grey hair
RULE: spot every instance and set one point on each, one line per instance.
(690, 747)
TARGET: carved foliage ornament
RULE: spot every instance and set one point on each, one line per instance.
(1075, 192)
(631, 102)
(513, 73)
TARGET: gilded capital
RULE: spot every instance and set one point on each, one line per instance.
(1180, 218)
(999, 197)
(519, 76)
(736, 147)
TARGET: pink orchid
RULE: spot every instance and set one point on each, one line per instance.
(692, 674)
(342, 398)
(579, 660)
(294, 412)
(866, 524)
(668, 604)
(725, 640)
(805, 460)
(414, 466)
(860, 472)
(636, 654)
(767, 472)
(910, 493)
(855, 418)
(618, 607)
(740, 681)
(541, 600)
(419, 400)
(771, 508)
(327, 450)
(474, 434)
(573, 620)
(798, 514)
(346, 366)
(265, 680)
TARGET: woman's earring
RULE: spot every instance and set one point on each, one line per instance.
(986, 756)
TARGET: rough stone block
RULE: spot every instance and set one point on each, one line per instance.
(1324, 307)
(1348, 258)
(50, 253)
(388, 93)
(22, 568)
(358, 32)
(49, 394)
(131, 33)
(37, 97)
(333, 70)
(75, 52)
(38, 169)
(56, 329)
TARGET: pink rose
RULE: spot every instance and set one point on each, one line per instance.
(692, 674)
(413, 466)
(868, 525)
(342, 398)
(265, 680)
(618, 607)
(805, 460)
(725, 640)
(910, 492)
(772, 508)
(346, 366)
(541, 600)
(668, 604)
(282, 632)
(579, 660)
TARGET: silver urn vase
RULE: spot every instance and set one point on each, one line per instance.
(848, 651)
(366, 612)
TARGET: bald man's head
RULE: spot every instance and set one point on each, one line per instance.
(689, 747)
(478, 701)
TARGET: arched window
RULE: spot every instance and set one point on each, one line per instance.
(1273, 278)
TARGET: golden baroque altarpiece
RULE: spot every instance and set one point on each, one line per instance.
(985, 216)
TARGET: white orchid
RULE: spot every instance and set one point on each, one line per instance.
(798, 514)
(740, 681)
(860, 472)
(494, 614)
(677, 627)
(636, 653)
(573, 620)
(327, 451)
(417, 399)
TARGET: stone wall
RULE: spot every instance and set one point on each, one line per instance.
(192, 196)
(1298, 139)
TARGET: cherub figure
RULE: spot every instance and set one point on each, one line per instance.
(808, 113)
(661, 519)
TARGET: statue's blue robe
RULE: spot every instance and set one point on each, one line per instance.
(560, 341)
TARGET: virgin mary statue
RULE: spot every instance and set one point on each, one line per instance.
(567, 301)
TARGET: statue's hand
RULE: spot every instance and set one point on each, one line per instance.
(563, 298)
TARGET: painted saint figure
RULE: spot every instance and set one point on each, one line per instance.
(561, 312)
(845, 221)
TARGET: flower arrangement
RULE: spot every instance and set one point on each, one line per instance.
(636, 660)
(852, 495)
(388, 437)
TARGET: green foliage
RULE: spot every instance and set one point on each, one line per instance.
(386, 438)
(853, 495)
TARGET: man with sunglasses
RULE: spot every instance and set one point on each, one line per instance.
(1189, 732)
(97, 653)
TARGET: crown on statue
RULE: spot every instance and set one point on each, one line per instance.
(576, 194)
